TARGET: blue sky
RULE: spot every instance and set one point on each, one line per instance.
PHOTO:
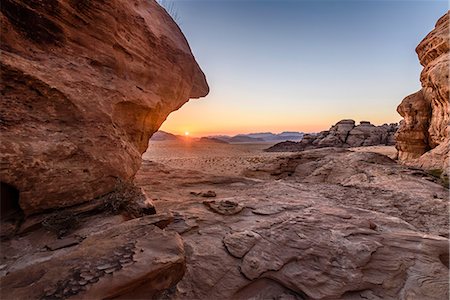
(301, 65)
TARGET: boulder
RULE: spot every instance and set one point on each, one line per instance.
(84, 86)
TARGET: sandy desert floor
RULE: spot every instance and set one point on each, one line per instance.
(209, 157)
(224, 159)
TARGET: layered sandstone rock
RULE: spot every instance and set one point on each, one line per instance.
(132, 260)
(320, 224)
(344, 134)
(84, 86)
(423, 138)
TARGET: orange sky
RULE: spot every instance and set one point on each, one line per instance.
(202, 117)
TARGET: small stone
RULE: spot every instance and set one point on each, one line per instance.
(86, 276)
(49, 291)
(95, 279)
(105, 266)
(127, 263)
(83, 282)
(209, 194)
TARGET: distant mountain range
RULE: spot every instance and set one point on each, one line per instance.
(240, 138)
(164, 136)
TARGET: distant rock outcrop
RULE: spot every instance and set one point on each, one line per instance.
(244, 139)
(261, 137)
(160, 136)
(423, 138)
(212, 140)
(84, 86)
(344, 134)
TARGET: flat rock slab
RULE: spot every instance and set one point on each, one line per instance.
(134, 259)
(63, 243)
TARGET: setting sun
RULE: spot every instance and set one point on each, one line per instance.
(186, 133)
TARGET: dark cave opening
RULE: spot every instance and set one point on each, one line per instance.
(9, 198)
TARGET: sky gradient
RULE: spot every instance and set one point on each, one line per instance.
(276, 65)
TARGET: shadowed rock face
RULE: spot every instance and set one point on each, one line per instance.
(423, 139)
(84, 86)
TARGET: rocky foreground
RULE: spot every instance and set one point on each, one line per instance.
(322, 224)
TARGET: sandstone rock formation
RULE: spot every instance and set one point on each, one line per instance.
(131, 260)
(327, 223)
(321, 224)
(84, 86)
(343, 134)
(423, 138)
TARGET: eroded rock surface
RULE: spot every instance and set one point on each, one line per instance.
(423, 138)
(105, 258)
(84, 86)
(343, 134)
(377, 231)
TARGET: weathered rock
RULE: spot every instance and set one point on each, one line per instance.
(239, 243)
(344, 134)
(423, 139)
(133, 260)
(208, 194)
(224, 206)
(63, 243)
(84, 86)
(348, 256)
(327, 224)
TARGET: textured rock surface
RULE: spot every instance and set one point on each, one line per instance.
(343, 134)
(84, 86)
(378, 231)
(423, 138)
(321, 224)
(109, 259)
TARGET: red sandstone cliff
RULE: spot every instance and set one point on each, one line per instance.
(423, 138)
(84, 86)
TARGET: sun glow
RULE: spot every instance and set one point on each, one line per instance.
(186, 133)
